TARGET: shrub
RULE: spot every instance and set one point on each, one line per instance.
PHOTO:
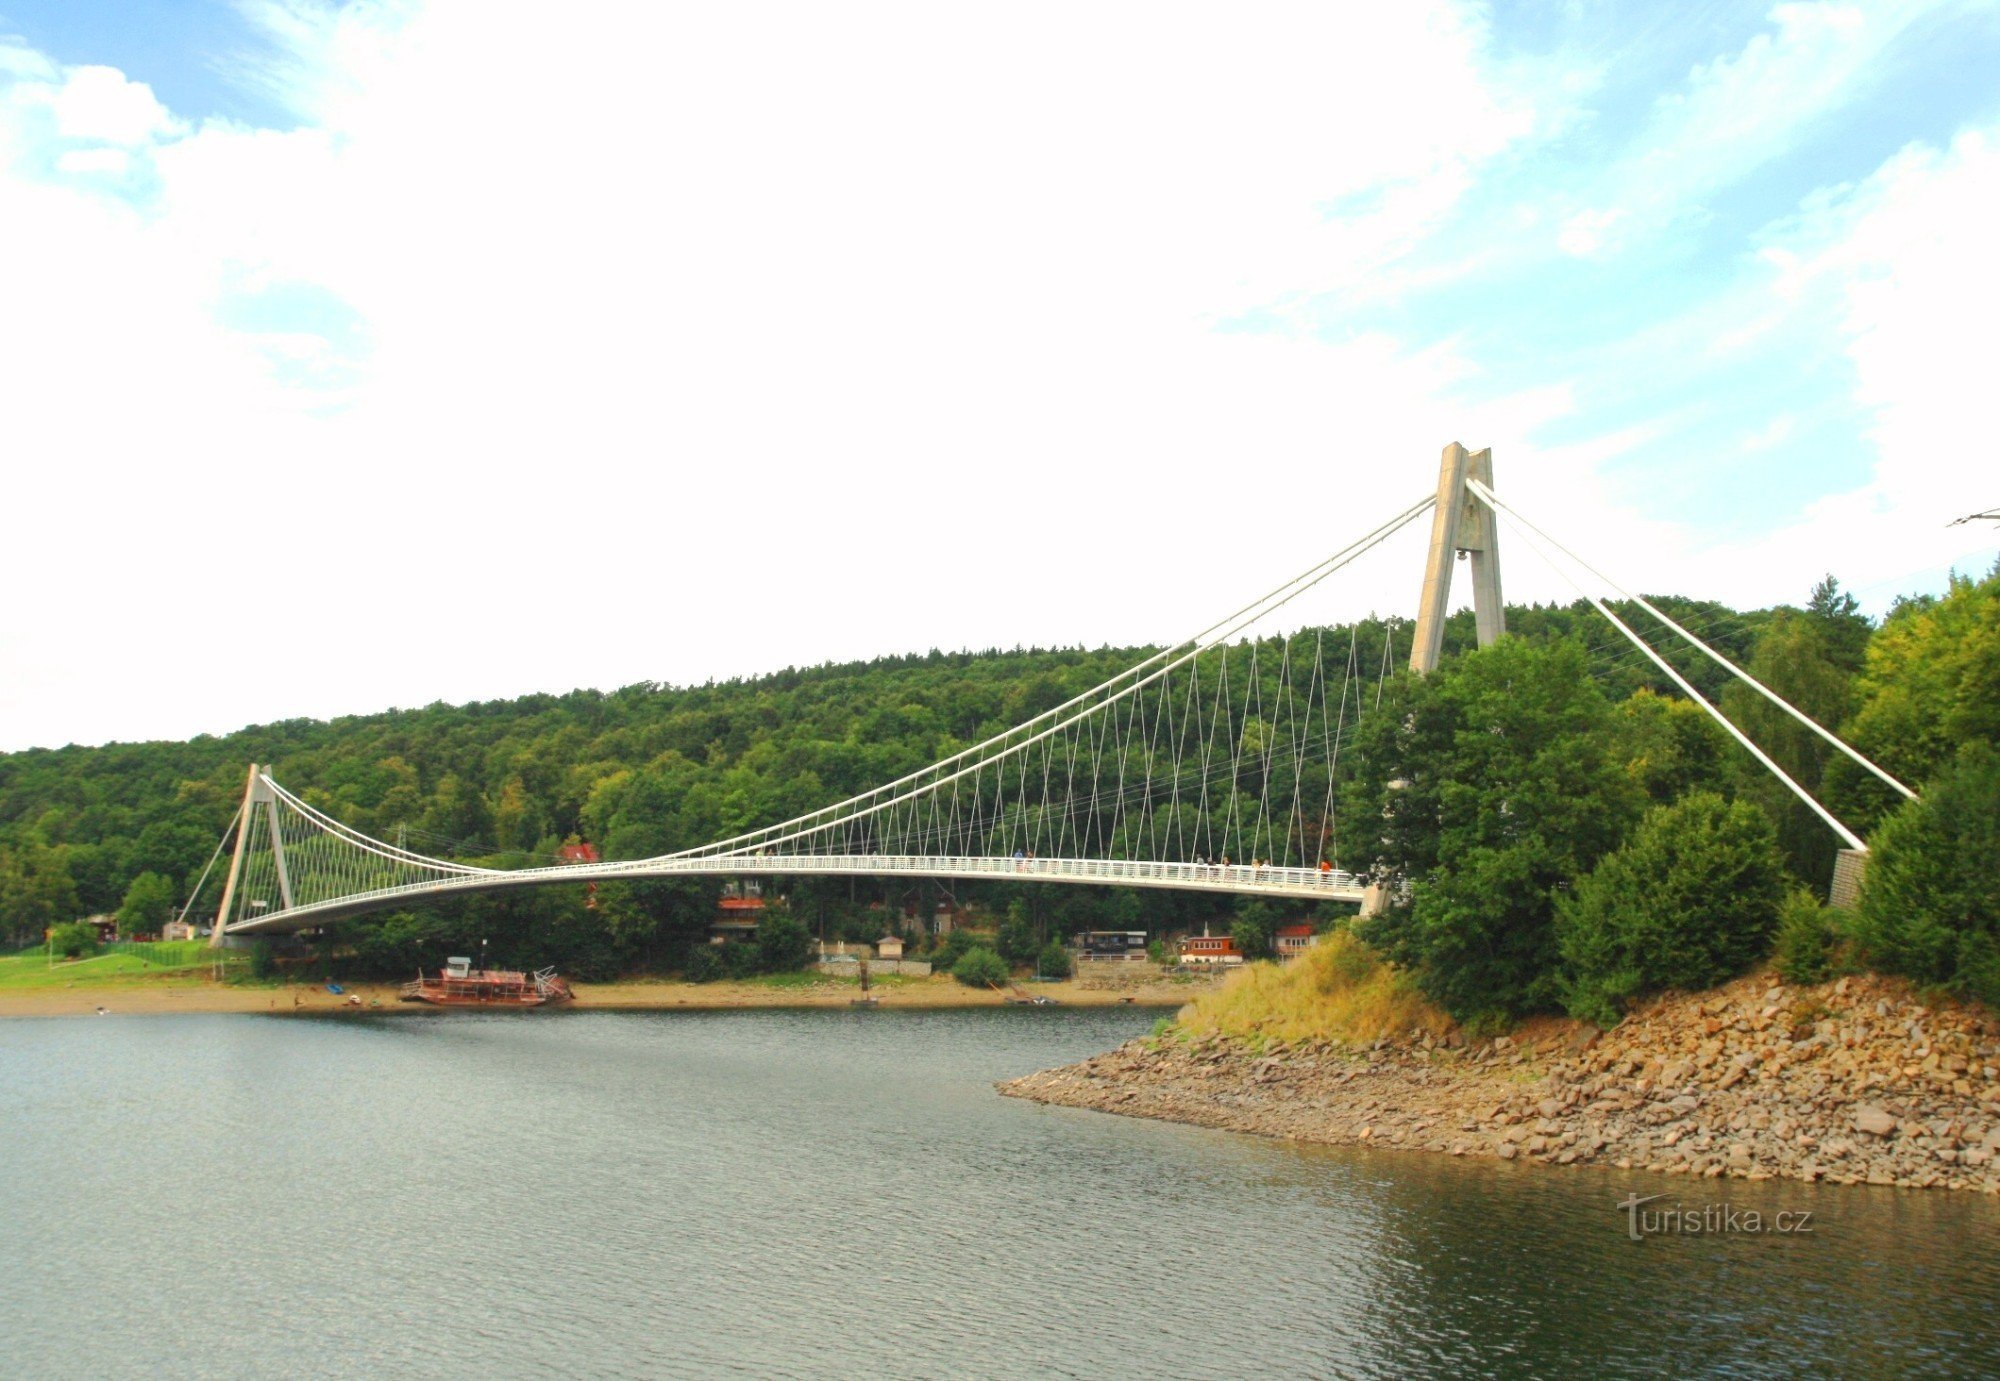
(1256, 921)
(784, 945)
(703, 964)
(1054, 961)
(1340, 989)
(74, 939)
(1016, 938)
(263, 959)
(739, 960)
(955, 947)
(1688, 901)
(1809, 937)
(1477, 934)
(978, 967)
(1930, 903)
(148, 905)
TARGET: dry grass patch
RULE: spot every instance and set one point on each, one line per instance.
(1340, 989)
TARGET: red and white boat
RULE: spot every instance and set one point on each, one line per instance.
(458, 984)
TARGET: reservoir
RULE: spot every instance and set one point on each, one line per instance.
(825, 1193)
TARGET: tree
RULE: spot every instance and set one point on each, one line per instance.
(1669, 746)
(1838, 616)
(1795, 658)
(149, 904)
(1931, 682)
(702, 965)
(73, 939)
(783, 943)
(36, 890)
(1054, 961)
(1488, 787)
(1256, 921)
(1687, 902)
(956, 945)
(977, 968)
(1930, 901)
(1016, 938)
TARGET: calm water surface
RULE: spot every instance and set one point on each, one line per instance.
(834, 1193)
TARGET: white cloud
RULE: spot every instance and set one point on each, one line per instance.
(82, 162)
(1739, 112)
(99, 103)
(693, 341)
(1900, 270)
(1908, 259)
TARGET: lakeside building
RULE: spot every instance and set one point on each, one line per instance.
(738, 913)
(1210, 949)
(1117, 945)
(1293, 940)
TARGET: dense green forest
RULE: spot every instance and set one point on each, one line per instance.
(650, 768)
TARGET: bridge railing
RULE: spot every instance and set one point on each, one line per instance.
(1296, 883)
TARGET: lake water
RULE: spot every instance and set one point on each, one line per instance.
(842, 1193)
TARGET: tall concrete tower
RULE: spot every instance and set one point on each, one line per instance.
(1461, 525)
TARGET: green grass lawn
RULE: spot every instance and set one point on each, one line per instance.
(117, 964)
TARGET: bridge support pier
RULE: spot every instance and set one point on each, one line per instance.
(1461, 525)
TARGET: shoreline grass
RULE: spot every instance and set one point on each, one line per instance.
(119, 965)
(1340, 989)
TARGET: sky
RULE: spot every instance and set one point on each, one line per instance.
(375, 354)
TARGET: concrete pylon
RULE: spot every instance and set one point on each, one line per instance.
(1461, 522)
(236, 857)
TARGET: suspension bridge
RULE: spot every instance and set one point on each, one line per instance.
(1210, 765)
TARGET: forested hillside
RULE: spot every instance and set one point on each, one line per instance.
(651, 768)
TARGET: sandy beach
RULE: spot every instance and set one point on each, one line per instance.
(157, 996)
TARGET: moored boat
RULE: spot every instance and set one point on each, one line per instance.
(458, 984)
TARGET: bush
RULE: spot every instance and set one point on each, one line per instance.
(955, 947)
(1339, 989)
(1053, 961)
(1016, 939)
(1810, 939)
(1478, 935)
(263, 959)
(784, 945)
(74, 939)
(1256, 921)
(739, 960)
(978, 967)
(148, 905)
(1688, 901)
(1930, 903)
(703, 964)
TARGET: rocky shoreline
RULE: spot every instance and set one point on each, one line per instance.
(1852, 1082)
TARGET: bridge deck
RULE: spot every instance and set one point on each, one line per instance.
(1302, 884)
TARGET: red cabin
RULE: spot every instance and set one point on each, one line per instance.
(1210, 949)
(1293, 939)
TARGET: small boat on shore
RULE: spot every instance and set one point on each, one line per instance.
(458, 984)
